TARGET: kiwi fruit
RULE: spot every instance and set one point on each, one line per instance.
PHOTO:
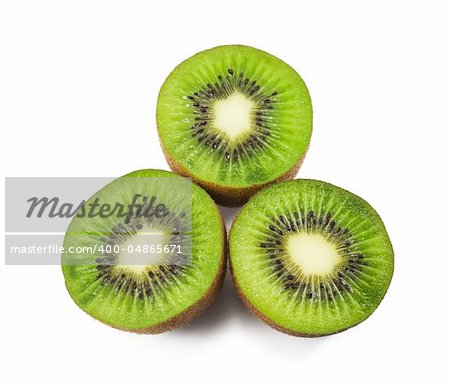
(164, 290)
(234, 119)
(309, 258)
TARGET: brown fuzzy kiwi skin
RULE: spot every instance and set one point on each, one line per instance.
(197, 308)
(226, 195)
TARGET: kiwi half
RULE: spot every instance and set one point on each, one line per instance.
(177, 283)
(234, 119)
(310, 258)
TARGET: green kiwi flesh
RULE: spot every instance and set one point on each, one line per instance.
(148, 298)
(310, 258)
(234, 118)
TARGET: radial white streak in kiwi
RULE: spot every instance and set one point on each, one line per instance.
(313, 253)
(233, 115)
(135, 256)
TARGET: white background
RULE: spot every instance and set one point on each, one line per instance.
(78, 88)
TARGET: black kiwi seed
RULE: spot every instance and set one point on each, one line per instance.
(347, 243)
(106, 265)
(203, 99)
(293, 285)
(316, 290)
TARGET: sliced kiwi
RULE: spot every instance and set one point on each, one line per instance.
(234, 118)
(169, 285)
(310, 258)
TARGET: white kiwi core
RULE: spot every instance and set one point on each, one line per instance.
(135, 255)
(233, 116)
(313, 254)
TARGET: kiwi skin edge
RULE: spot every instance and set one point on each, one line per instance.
(254, 310)
(226, 195)
(269, 321)
(197, 308)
